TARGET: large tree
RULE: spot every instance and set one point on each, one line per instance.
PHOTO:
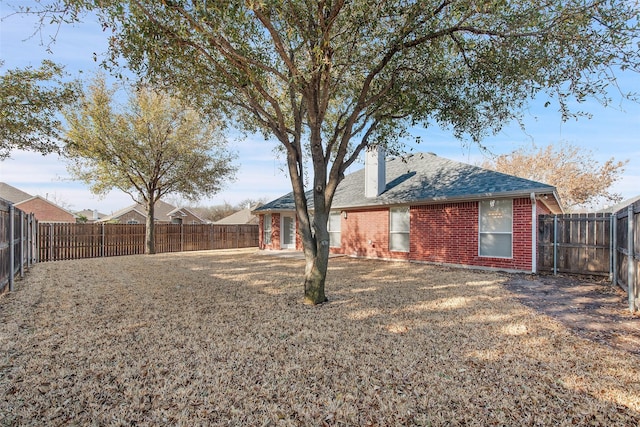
(30, 103)
(152, 147)
(329, 78)
(580, 179)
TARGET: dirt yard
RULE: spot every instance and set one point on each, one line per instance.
(222, 338)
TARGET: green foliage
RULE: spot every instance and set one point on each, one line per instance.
(30, 100)
(329, 78)
(151, 147)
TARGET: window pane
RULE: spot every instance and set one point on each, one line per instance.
(496, 218)
(399, 242)
(334, 221)
(496, 245)
(334, 239)
(399, 219)
(267, 229)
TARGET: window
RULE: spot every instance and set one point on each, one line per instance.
(133, 221)
(333, 226)
(266, 229)
(399, 229)
(496, 228)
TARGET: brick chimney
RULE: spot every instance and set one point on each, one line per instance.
(374, 172)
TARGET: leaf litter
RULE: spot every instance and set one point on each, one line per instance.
(222, 338)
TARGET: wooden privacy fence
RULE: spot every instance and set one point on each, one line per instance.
(17, 243)
(600, 244)
(75, 241)
(626, 253)
(575, 243)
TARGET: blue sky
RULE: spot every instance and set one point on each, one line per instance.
(611, 132)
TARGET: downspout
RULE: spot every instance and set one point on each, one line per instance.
(534, 235)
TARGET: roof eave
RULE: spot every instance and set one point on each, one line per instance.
(455, 199)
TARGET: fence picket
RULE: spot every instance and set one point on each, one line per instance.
(76, 241)
(581, 244)
(16, 242)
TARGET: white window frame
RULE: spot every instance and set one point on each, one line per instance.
(405, 211)
(335, 236)
(485, 206)
(266, 229)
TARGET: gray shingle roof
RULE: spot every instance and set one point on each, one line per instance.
(12, 194)
(244, 216)
(423, 178)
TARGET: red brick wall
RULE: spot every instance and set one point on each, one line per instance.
(366, 234)
(443, 233)
(448, 233)
(45, 211)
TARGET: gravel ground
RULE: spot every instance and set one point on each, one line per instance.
(222, 338)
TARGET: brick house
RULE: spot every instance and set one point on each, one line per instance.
(425, 208)
(164, 213)
(43, 209)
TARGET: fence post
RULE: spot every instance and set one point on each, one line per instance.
(613, 247)
(11, 253)
(631, 286)
(555, 245)
(31, 236)
(181, 237)
(36, 239)
(22, 240)
(102, 248)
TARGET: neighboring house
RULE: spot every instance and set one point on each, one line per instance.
(428, 209)
(92, 215)
(164, 213)
(43, 209)
(244, 216)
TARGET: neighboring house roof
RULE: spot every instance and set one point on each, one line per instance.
(12, 194)
(45, 210)
(124, 211)
(623, 204)
(163, 212)
(424, 178)
(90, 214)
(178, 212)
(244, 216)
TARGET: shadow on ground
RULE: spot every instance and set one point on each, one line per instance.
(592, 308)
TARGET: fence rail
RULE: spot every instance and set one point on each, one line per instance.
(575, 243)
(59, 242)
(17, 244)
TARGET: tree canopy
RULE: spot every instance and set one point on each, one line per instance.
(581, 181)
(152, 147)
(30, 102)
(329, 78)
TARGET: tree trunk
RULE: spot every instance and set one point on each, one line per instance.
(315, 274)
(150, 233)
(316, 253)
